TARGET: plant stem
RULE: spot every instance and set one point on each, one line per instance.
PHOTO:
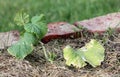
(44, 50)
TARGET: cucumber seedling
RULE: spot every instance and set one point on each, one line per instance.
(34, 30)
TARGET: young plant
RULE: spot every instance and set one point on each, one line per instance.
(49, 56)
(92, 52)
(34, 31)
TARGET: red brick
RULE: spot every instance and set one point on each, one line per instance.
(60, 30)
(102, 23)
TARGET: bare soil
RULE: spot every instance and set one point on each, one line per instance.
(35, 64)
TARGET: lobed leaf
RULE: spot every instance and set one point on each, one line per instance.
(32, 28)
(37, 19)
(21, 49)
(92, 52)
(43, 28)
(72, 57)
(29, 38)
(21, 18)
(37, 27)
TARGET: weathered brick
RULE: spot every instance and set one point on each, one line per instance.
(102, 23)
(60, 30)
(8, 38)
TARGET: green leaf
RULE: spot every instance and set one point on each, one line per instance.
(43, 28)
(41, 23)
(92, 52)
(37, 19)
(38, 27)
(21, 18)
(72, 57)
(32, 28)
(29, 38)
(21, 49)
(51, 56)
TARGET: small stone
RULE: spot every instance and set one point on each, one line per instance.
(102, 23)
(60, 30)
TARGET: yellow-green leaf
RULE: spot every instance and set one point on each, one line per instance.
(21, 18)
(72, 57)
(92, 52)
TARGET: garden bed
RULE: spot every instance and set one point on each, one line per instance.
(35, 64)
